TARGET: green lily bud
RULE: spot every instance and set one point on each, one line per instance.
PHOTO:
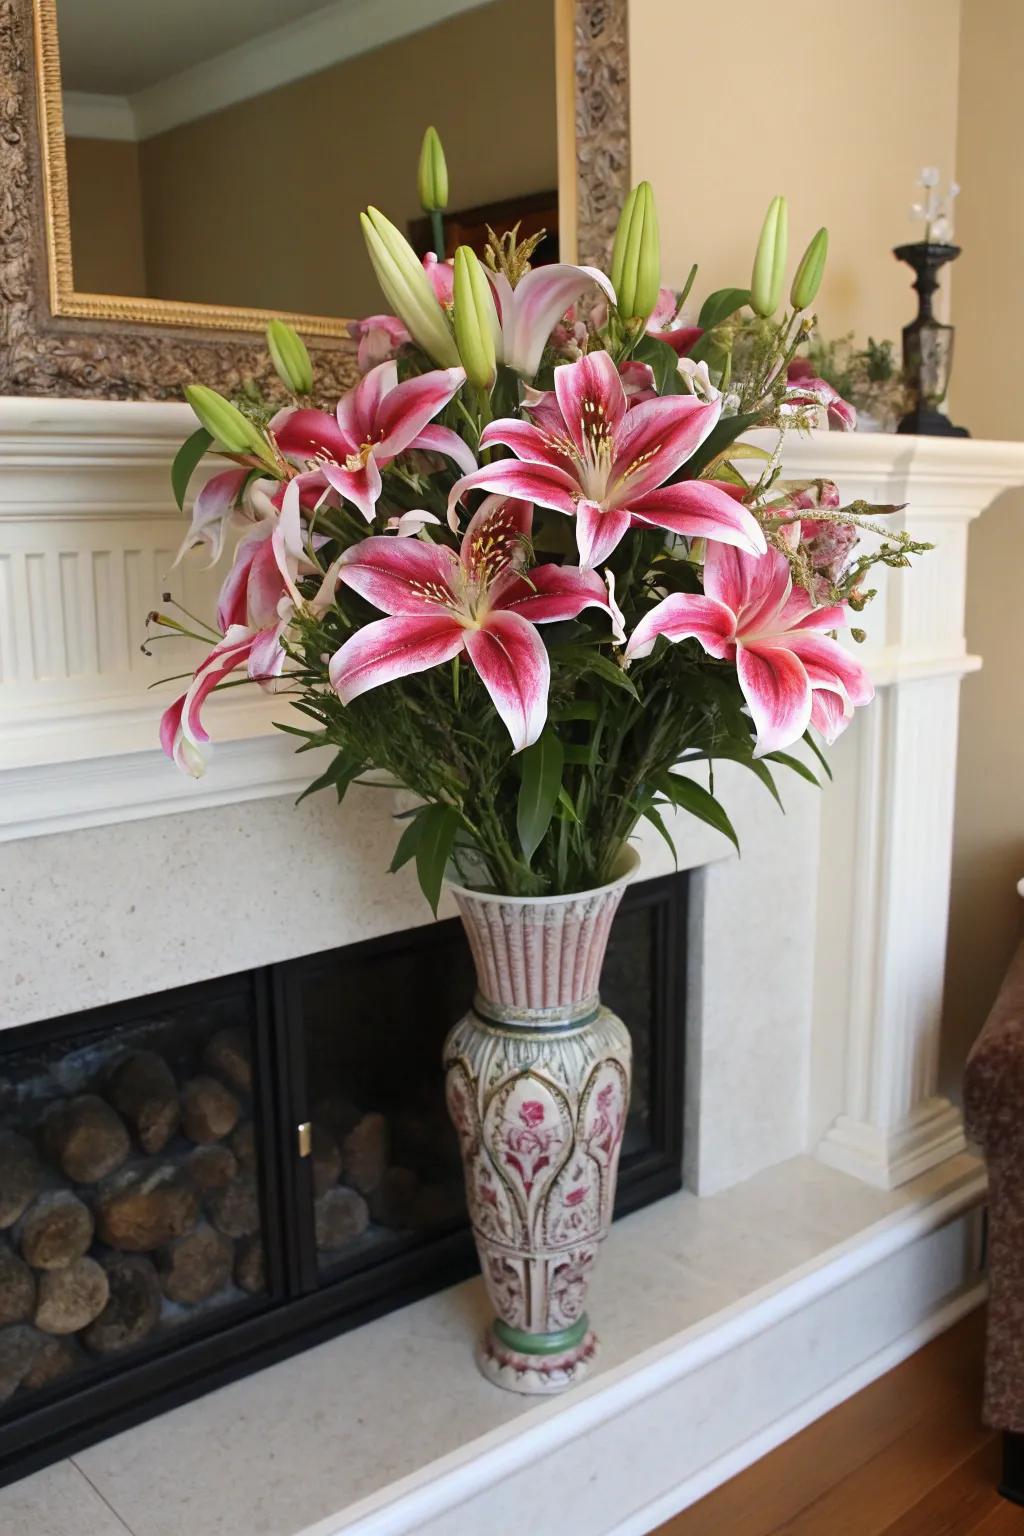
(225, 422)
(636, 258)
(807, 279)
(406, 288)
(432, 180)
(289, 356)
(770, 260)
(476, 320)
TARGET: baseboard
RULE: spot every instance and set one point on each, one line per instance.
(743, 1456)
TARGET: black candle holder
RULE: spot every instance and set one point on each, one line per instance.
(927, 344)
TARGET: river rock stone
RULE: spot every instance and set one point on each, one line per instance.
(69, 1299)
(228, 1054)
(212, 1167)
(364, 1153)
(139, 1210)
(54, 1358)
(235, 1210)
(243, 1145)
(326, 1159)
(133, 1308)
(142, 1088)
(86, 1138)
(196, 1266)
(209, 1111)
(18, 1349)
(17, 1288)
(20, 1176)
(340, 1216)
(55, 1230)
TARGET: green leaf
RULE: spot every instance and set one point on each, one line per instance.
(692, 797)
(538, 793)
(584, 658)
(185, 461)
(788, 761)
(565, 801)
(408, 843)
(657, 821)
(663, 362)
(340, 774)
(819, 754)
(718, 306)
(438, 826)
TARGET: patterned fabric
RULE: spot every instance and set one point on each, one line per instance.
(994, 1108)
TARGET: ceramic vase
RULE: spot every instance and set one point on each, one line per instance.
(537, 1080)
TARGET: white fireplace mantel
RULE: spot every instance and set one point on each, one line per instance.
(843, 1058)
(88, 530)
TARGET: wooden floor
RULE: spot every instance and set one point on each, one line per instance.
(908, 1456)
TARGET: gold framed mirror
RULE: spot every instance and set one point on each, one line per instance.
(101, 301)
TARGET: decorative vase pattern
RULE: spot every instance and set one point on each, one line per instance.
(537, 1082)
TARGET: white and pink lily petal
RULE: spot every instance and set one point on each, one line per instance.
(804, 389)
(379, 338)
(529, 312)
(480, 601)
(375, 422)
(752, 613)
(586, 455)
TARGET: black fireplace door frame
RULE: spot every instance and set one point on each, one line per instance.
(301, 1307)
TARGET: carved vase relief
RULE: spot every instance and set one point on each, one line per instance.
(538, 1076)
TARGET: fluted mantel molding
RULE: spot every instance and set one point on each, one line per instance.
(89, 528)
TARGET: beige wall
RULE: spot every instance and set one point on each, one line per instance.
(988, 396)
(106, 216)
(257, 205)
(837, 106)
(844, 105)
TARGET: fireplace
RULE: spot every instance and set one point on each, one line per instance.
(196, 1183)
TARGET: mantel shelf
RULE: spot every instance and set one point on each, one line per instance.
(89, 532)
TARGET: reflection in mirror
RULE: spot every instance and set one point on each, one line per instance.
(219, 152)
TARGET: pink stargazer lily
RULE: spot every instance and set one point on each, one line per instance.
(586, 455)
(529, 312)
(791, 673)
(805, 388)
(480, 601)
(375, 422)
(663, 322)
(257, 603)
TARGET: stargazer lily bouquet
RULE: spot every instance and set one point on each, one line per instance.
(519, 571)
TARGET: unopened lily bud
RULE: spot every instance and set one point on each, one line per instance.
(224, 421)
(808, 276)
(636, 258)
(476, 320)
(770, 260)
(289, 356)
(432, 180)
(407, 289)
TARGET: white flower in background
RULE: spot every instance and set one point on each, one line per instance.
(935, 211)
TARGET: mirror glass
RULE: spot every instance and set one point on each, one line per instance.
(218, 151)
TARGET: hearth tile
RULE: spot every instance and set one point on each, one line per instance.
(58, 1501)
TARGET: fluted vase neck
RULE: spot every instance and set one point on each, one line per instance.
(538, 959)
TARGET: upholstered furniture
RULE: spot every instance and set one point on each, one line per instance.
(994, 1108)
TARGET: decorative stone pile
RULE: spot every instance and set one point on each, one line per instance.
(357, 1180)
(126, 1209)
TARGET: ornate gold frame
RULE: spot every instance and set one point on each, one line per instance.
(55, 340)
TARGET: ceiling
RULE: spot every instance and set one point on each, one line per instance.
(119, 47)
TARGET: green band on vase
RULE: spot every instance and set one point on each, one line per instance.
(540, 1343)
